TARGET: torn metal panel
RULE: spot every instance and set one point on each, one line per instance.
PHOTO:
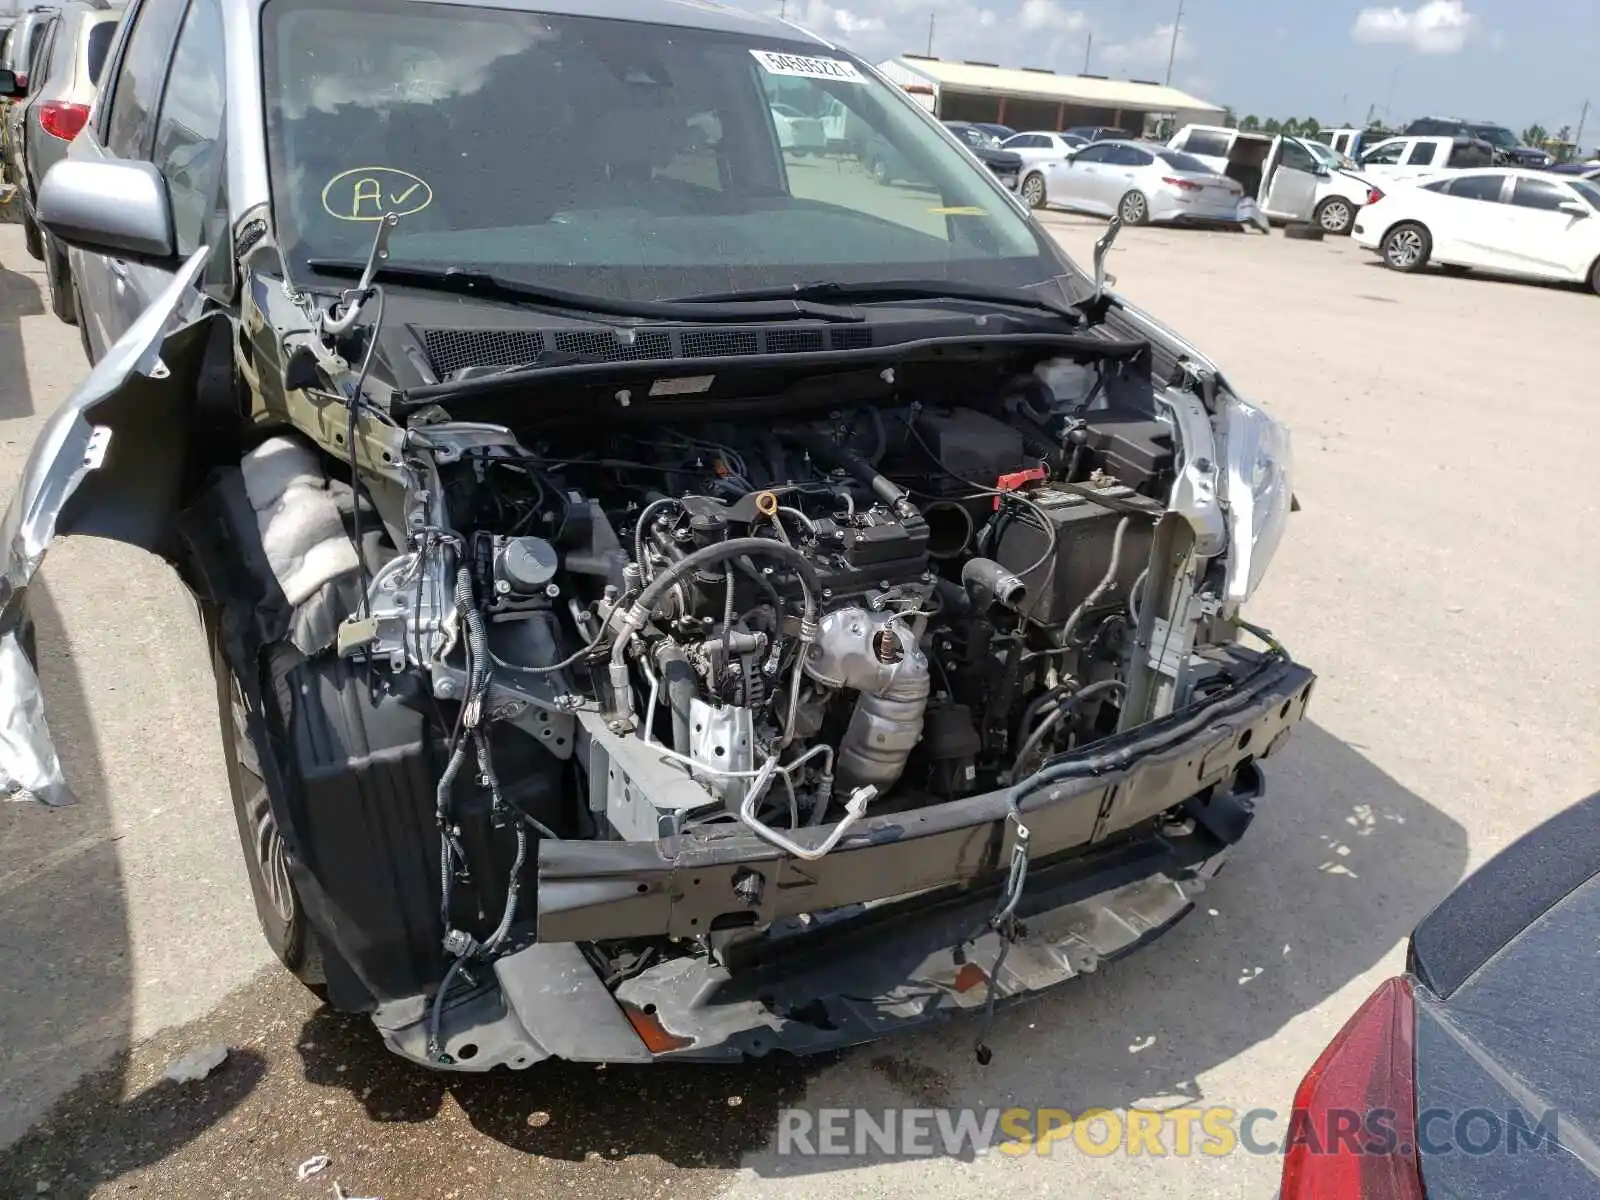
(29, 768)
(74, 444)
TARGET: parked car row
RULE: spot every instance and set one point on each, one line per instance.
(1417, 199)
(47, 103)
(1205, 174)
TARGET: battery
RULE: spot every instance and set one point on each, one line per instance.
(1085, 533)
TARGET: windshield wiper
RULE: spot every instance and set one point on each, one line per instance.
(486, 285)
(890, 291)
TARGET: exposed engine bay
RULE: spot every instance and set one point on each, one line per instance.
(887, 606)
(769, 628)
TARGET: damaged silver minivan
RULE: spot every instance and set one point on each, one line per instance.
(670, 597)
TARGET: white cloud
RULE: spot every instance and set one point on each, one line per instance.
(1436, 27)
(831, 21)
(1034, 33)
(1150, 50)
(1036, 15)
(849, 22)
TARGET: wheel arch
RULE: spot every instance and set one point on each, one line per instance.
(1399, 221)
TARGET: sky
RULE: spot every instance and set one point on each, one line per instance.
(1517, 62)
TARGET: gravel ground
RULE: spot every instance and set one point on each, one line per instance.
(1442, 605)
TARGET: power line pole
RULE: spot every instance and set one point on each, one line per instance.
(783, 10)
(1577, 138)
(931, 18)
(1087, 48)
(1172, 54)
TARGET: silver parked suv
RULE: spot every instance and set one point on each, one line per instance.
(18, 54)
(66, 70)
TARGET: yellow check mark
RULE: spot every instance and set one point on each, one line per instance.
(405, 195)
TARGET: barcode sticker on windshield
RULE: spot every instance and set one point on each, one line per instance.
(806, 67)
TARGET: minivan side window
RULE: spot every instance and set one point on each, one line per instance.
(100, 35)
(1208, 142)
(188, 148)
(40, 48)
(130, 124)
(1297, 158)
(36, 36)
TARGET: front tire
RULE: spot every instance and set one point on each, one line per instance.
(279, 909)
(58, 275)
(1594, 277)
(1134, 209)
(83, 326)
(1033, 190)
(1335, 215)
(1406, 247)
(32, 238)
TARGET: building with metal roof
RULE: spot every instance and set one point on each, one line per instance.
(1036, 98)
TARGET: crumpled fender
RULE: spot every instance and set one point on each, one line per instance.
(109, 462)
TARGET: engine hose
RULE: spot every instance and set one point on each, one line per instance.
(761, 581)
(831, 453)
(682, 687)
(1104, 586)
(1040, 704)
(642, 527)
(733, 548)
(1051, 720)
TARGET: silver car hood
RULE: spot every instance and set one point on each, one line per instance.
(70, 447)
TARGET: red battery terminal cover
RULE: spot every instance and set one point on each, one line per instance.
(1011, 482)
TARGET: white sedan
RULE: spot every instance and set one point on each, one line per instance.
(1511, 222)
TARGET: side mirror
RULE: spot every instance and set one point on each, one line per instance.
(10, 85)
(1575, 208)
(118, 209)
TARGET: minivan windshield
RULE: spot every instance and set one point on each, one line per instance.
(614, 158)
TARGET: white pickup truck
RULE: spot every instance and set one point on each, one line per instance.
(1290, 180)
(1403, 159)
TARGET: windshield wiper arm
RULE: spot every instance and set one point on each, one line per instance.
(470, 281)
(892, 290)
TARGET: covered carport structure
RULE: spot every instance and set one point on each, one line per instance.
(1036, 98)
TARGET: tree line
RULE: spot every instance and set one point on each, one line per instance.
(1306, 127)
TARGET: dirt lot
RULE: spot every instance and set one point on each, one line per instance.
(1438, 578)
